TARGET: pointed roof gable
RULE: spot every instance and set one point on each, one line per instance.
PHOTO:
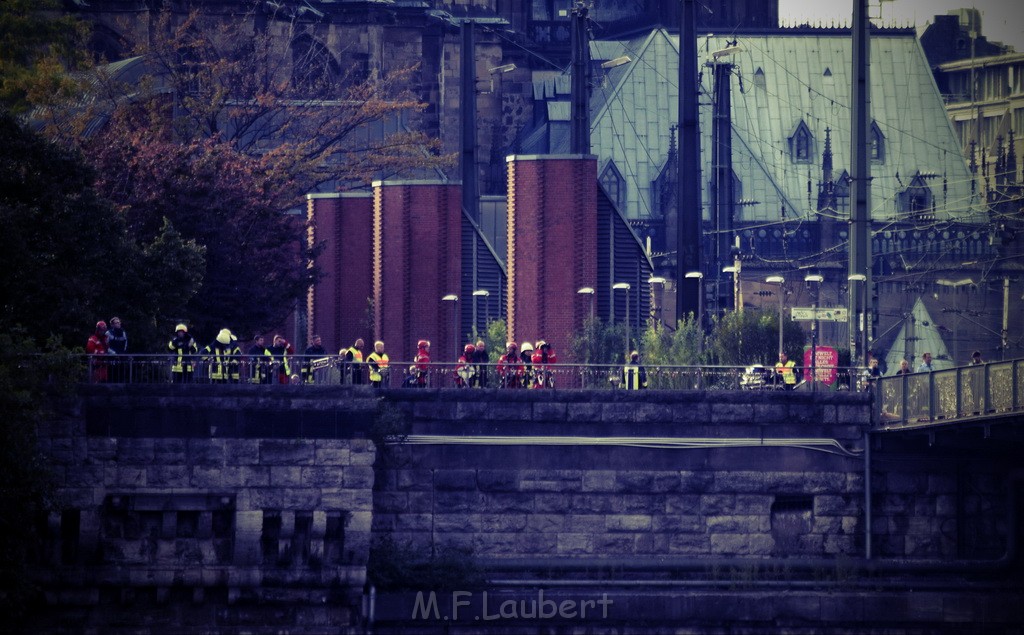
(918, 335)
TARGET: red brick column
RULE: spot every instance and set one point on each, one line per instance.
(337, 306)
(417, 256)
(552, 246)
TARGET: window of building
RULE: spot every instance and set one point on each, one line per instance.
(842, 192)
(759, 78)
(801, 144)
(877, 143)
(614, 185)
(917, 201)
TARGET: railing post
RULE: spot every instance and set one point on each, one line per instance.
(931, 396)
(958, 405)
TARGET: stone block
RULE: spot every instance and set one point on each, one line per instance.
(733, 482)
(689, 544)
(575, 544)
(585, 523)
(682, 503)
(676, 524)
(753, 504)
(419, 501)
(615, 544)
(630, 523)
(508, 412)
(410, 522)
(130, 476)
(618, 412)
(692, 413)
(639, 503)
(555, 503)
(357, 522)
(502, 523)
(242, 452)
(206, 452)
(599, 481)
(414, 479)
(698, 481)
(666, 482)
(432, 410)
(547, 523)
(285, 476)
(456, 501)
(471, 410)
(455, 480)
(548, 411)
(457, 523)
(737, 524)
(742, 544)
(715, 504)
(286, 452)
(537, 543)
(517, 502)
(298, 498)
(836, 505)
(592, 503)
(100, 450)
(488, 544)
(732, 413)
(331, 454)
(391, 502)
(357, 477)
(770, 413)
(586, 412)
(170, 451)
(135, 451)
(941, 484)
(167, 476)
(498, 480)
(363, 457)
(321, 476)
(652, 413)
(634, 481)
(945, 506)
(252, 475)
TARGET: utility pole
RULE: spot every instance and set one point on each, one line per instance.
(470, 192)
(579, 132)
(860, 175)
(722, 191)
(688, 210)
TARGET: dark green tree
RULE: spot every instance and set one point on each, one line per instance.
(752, 337)
(67, 261)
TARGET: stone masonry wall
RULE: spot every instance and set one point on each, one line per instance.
(215, 515)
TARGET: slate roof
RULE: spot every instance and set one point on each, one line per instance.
(778, 81)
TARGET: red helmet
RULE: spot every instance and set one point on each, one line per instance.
(470, 348)
(512, 345)
(101, 326)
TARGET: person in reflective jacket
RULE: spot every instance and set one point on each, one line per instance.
(377, 362)
(224, 358)
(279, 353)
(184, 347)
(314, 350)
(634, 375)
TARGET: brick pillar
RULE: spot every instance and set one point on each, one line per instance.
(417, 247)
(337, 306)
(552, 246)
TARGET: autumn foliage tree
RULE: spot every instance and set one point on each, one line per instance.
(256, 257)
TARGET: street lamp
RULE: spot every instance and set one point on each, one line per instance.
(658, 304)
(454, 299)
(737, 298)
(700, 305)
(624, 286)
(779, 280)
(858, 322)
(817, 279)
(484, 293)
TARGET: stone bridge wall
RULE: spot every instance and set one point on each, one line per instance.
(252, 509)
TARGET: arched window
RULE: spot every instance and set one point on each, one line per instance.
(877, 143)
(801, 144)
(614, 185)
(315, 73)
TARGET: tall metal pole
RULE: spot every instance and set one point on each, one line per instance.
(689, 214)
(860, 175)
(723, 196)
(579, 132)
(468, 81)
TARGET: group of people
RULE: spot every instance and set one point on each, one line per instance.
(528, 366)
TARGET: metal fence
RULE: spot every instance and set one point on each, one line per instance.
(955, 393)
(333, 370)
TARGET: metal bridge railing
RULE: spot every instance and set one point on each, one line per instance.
(333, 370)
(955, 393)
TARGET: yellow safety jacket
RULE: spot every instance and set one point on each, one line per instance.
(224, 360)
(378, 364)
(634, 377)
(788, 376)
(183, 348)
